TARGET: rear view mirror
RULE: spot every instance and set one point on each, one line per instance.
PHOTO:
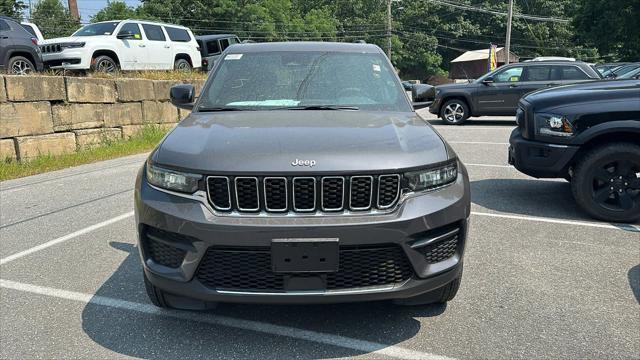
(423, 95)
(182, 96)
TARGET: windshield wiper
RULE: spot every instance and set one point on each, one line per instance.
(322, 107)
(220, 108)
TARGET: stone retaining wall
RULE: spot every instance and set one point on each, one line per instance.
(42, 115)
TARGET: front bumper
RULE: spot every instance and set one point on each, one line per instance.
(416, 217)
(434, 108)
(73, 59)
(538, 159)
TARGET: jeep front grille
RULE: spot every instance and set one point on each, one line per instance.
(281, 194)
(53, 48)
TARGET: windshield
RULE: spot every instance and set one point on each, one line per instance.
(105, 28)
(288, 79)
(630, 74)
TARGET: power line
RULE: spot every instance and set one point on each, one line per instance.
(497, 12)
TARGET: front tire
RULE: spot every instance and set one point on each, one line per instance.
(182, 65)
(606, 183)
(105, 64)
(20, 65)
(441, 295)
(454, 112)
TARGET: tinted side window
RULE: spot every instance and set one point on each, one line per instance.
(4, 26)
(572, 73)
(213, 47)
(154, 32)
(537, 73)
(29, 28)
(509, 75)
(131, 28)
(179, 35)
(224, 43)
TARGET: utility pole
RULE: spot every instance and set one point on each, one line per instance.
(508, 42)
(389, 29)
(73, 9)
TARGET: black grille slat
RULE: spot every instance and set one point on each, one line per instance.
(219, 192)
(250, 270)
(332, 193)
(360, 192)
(304, 194)
(247, 197)
(275, 194)
(388, 190)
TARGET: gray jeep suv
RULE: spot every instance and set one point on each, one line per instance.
(302, 175)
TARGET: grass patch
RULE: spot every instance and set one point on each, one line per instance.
(144, 141)
(148, 75)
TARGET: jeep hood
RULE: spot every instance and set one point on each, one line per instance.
(68, 39)
(269, 141)
(586, 92)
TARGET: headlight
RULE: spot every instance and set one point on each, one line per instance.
(172, 180)
(432, 178)
(72, 45)
(553, 125)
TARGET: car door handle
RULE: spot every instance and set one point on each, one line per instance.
(553, 84)
(167, 46)
(513, 86)
(4, 37)
(142, 45)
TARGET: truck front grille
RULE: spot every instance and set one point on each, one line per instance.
(53, 48)
(281, 194)
(250, 269)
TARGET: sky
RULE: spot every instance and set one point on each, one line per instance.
(87, 8)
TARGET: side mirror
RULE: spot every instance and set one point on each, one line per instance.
(407, 86)
(125, 35)
(488, 81)
(422, 95)
(182, 96)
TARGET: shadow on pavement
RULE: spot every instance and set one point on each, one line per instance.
(143, 335)
(634, 281)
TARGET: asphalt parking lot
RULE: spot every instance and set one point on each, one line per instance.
(542, 280)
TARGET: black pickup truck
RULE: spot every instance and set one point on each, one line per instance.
(590, 135)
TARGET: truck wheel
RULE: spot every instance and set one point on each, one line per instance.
(104, 63)
(606, 182)
(182, 65)
(438, 296)
(454, 112)
(20, 65)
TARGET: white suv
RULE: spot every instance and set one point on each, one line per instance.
(126, 45)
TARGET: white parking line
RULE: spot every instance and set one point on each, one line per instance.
(477, 143)
(64, 238)
(627, 227)
(261, 327)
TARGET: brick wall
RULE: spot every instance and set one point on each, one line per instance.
(58, 115)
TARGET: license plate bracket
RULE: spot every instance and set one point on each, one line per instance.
(305, 255)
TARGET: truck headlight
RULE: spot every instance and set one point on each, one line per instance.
(172, 180)
(553, 125)
(432, 178)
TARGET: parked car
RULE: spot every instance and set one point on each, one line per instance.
(497, 93)
(211, 46)
(633, 74)
(590, 135)
(19, 52)
(602, 68)
(33, 30)
(552, 58)
(620, 70)
(124, 45)
(301, 175)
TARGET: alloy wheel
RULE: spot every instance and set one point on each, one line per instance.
(21, 67)
(454, 112)
(105, 65)
(616, 185)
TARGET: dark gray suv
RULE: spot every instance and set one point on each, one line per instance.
(19, 51)
(302, 175)
(497, 93)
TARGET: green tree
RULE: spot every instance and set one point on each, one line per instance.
(53, 19)
(613, 27)
(115, 10)
(12, 8)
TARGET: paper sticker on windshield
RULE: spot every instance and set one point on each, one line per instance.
(376, 67)
(233, 57)
(137, 36)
